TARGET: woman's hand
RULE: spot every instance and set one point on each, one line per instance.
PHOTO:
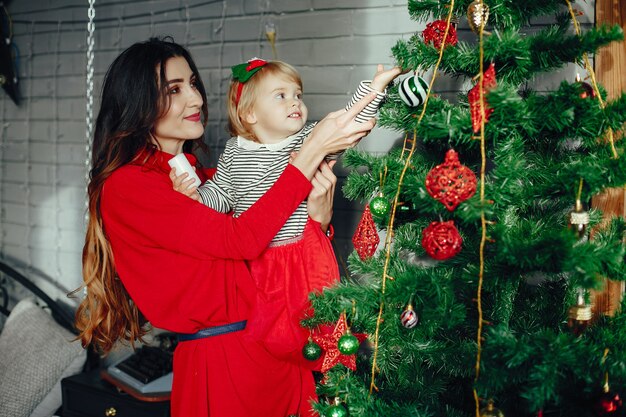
(320, 200)
(183, 185)
(336, 132)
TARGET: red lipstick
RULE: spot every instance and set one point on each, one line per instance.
(193, 117)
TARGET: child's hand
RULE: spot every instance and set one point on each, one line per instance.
(183, 185)
(383, 77)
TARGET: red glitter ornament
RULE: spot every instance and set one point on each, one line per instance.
(365, 239)
(489, 81)
(328, 338)
(451, 183)
(434, 32)
(441, 240)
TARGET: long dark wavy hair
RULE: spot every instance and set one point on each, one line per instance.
(134, 97)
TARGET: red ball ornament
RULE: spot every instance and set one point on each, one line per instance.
(365, 239)
(451, 183)
(441, 240)
(609, 404)
(489, 81)
(587, 90)
(409, 317)
(434, 32)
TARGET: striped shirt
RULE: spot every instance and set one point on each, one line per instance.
(246, 170)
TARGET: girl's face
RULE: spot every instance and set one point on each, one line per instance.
(182, 121)
(279, 111)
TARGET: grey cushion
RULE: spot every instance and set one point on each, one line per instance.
(35, 353)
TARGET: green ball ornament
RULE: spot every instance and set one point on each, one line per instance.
(336, 410)
(311, 351)
(379, 206)
(348, 344)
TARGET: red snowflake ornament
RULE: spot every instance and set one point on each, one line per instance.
(451, 183)
(365, 239)
(434, 33)
(328, 338)
(441, 240)
(489, 82)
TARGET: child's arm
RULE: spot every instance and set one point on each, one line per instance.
(217, 192)
(382, 78)
(379, 83)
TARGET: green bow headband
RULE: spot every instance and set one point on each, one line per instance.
(243, 72)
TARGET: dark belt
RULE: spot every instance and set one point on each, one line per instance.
(213, 331)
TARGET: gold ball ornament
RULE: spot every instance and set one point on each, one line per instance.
(578, 220)
(491, 411)
(579, 316)
(477, 15)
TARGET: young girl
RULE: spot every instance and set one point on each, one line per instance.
(267, 118)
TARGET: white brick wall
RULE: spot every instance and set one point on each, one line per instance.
(333, 43)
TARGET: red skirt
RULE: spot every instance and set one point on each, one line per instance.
(230, 376)
(285, 274)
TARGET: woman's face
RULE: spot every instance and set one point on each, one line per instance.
(183, 120)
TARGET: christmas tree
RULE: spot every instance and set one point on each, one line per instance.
(477, 299)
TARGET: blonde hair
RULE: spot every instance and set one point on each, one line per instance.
(237, 125)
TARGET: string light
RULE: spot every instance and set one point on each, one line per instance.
(270, 34)
(151, 23)
(220, 61)
(91, 14)
(3, 128)
(483, 220)
(27, 189)
(187, 20)
(120, 31)
(55, 169)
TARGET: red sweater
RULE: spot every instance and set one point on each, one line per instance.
(181, 262)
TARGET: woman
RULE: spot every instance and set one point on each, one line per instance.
(152, 252)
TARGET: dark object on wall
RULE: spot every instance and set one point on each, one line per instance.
(8, 62)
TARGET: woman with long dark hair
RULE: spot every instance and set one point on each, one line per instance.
(150, 252)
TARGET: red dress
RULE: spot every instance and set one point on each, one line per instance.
(286, 273)
(184, 266)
